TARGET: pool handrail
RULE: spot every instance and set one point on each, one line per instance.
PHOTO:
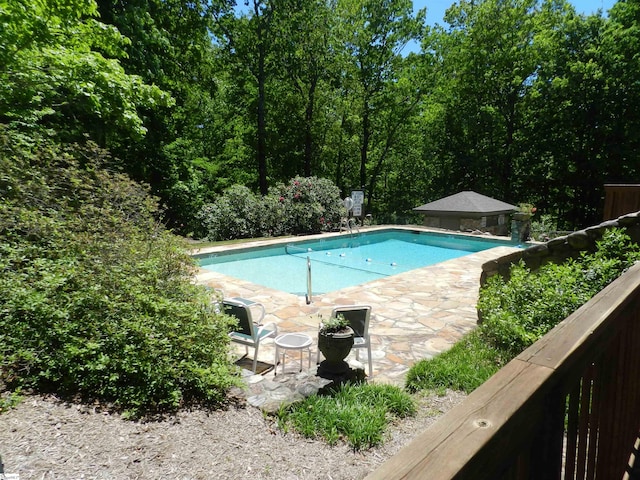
(309, 295)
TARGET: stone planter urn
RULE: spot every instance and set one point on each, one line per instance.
(521, 216)
(335, 346)
(520, 227)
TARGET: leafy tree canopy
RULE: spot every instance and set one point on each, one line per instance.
(59, 68)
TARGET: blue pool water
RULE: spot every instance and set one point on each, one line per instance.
(340, 262)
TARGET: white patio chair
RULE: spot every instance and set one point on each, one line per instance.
(250, 332)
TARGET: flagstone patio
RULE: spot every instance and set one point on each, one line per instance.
(415, 315)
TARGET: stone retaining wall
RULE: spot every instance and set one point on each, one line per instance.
(559, 249)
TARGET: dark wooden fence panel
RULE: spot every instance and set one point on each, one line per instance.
(620, 200)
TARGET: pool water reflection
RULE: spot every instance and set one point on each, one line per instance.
(343, 261)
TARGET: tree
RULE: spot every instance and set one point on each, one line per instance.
(306, 52)
(171, 47)
(59, 69)
(375, 33)
(490, 60)
(567, 119)
(249, 41)
(621, 66)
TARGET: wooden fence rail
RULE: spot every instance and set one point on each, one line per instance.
(568, 407)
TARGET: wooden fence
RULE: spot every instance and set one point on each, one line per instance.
(620, 199)
(568, 407)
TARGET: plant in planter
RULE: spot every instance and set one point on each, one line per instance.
(525, 211)
(335, 339)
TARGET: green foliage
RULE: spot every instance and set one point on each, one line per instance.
(519, 99)
(59, 70)
(179, 156)
(466, 366)
(97, 299)
(333, 325)
(357, 414)
(305, 205)
(311, 205)
(543, 227)
(9, 400)
(235, 214)
(517, 312)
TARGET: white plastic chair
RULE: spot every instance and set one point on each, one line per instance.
(250, 332)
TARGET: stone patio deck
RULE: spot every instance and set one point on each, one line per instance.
(415, 315)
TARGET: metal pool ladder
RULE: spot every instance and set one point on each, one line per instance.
(348, 223)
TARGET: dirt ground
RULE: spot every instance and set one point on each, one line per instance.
(45, 439)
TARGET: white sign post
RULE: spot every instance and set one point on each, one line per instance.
(358, 200)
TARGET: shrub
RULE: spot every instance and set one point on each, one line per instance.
(517, 312)
(543, 228)
(274, 219)
(97, 299)
(237, 213)
(311, 204)
(305, 205)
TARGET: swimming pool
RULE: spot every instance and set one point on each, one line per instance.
(342, 261)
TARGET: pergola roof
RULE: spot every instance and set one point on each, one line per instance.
(466, 203)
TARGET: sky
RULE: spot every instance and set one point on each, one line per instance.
(436, 8)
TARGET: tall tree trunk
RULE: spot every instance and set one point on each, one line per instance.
(308, 136)
(366, 137)
(261, 151)
(340, 160)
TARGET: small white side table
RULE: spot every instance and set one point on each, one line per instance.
(292, 341)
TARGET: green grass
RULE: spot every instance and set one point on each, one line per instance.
(466, 366)
(357, 414)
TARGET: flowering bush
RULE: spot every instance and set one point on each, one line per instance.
(303, 205)
(273, 222)
(311, 204)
